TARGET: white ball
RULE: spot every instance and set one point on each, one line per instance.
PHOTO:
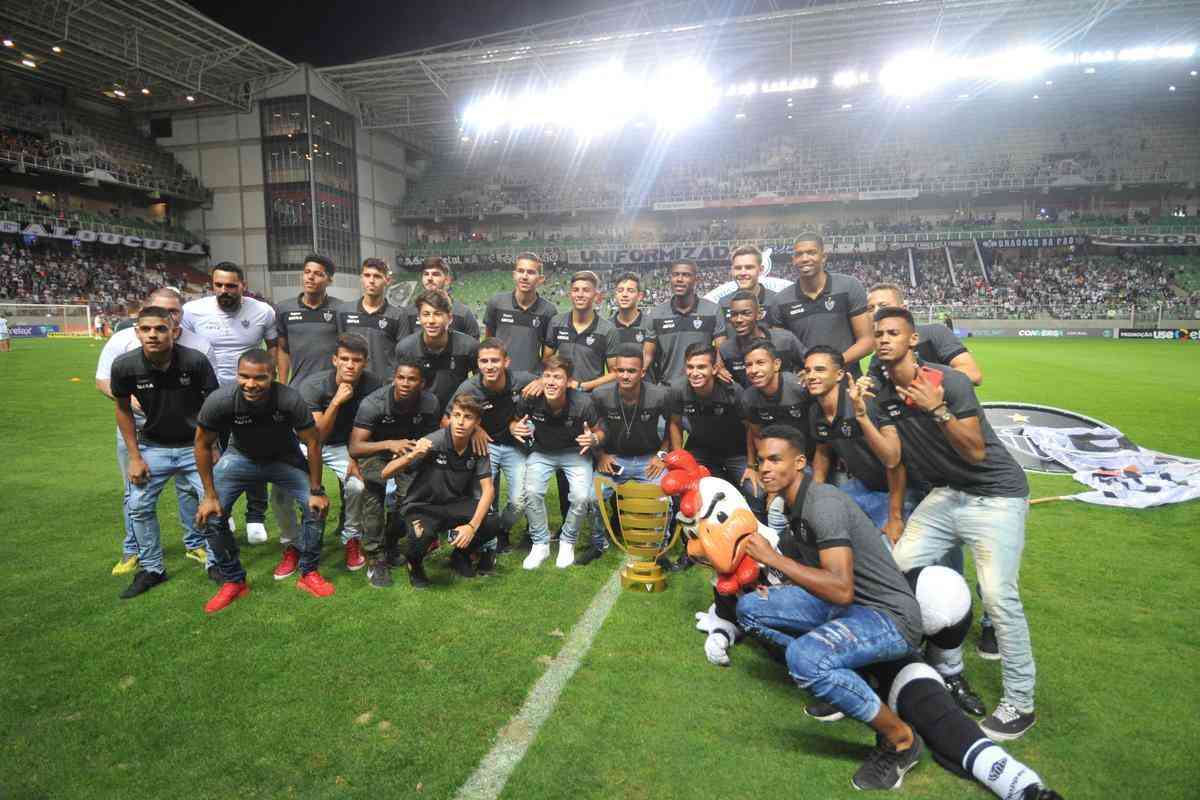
(944, 598)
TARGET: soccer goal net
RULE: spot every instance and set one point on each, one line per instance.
(39, 320)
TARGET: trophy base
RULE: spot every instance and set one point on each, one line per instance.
(641, 576)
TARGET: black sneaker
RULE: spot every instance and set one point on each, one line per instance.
(964, 695)
(1036, 792)
(487, 563)
(460, 562)
(664, 562)
(886, 767)
(416, 575)
(502, 543)
(823, 712)
(379, 574)
(395, 558)
(588, 556)
(1007, 723)
(143, 581)
(988, 648)
(214, 575)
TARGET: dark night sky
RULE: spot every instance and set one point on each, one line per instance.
(339, 31)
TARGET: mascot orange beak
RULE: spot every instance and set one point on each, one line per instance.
(724, 546)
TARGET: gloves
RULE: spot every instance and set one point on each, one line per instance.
(721, 636)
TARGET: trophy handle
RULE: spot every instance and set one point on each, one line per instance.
(598, 486)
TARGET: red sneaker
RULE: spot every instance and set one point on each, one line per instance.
(354, 556)
(226, 595)
(286, 567)
(315, 585)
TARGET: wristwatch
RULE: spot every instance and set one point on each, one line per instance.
(943, 416)
(661, 455)
(317, 492)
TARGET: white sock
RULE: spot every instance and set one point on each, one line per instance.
(1002, 774)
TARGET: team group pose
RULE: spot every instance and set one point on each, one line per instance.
(861, 493)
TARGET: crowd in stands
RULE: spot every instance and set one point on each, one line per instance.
(57, 210)
(106, 279)
(749, 163)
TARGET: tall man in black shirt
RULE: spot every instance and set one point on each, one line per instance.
(745, 320)
(374, 318)
(170, 383)
(824, 307)
(980, 500)
(263, 418)
(446, 356)
(684, 319)
(451, 495)
(388, 423)
(632, 412)
(436, 277)
(521, 318)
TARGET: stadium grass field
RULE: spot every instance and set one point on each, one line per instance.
(400, 694)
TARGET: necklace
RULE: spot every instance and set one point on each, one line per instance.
(628, 422)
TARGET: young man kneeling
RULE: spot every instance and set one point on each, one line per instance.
(450, 496)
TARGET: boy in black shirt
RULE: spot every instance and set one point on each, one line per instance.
(170, 383)
(451, 495)
(264, 418)
(744, 316)
(446, 356)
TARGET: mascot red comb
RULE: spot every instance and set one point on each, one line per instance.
(716, 522)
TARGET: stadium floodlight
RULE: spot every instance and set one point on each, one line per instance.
(190, 98)
(29, 62)
(56, 50)
(680, 93)
(913, 73)
(9, 43)
(849, 78)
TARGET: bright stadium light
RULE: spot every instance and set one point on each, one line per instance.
(913, 73)
(677, 94)
(849, 78)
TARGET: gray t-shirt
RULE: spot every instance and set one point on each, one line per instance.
(844, 434)
(788, 406)
(461, 320)
(924, 446)
(824, 319)
(381, 329)
(825, 517)
(674, 331)
(588, 350)
(263, 431)
(444, 475)
(523, 330)
(311, 335)
(443, 370)
(765, 299)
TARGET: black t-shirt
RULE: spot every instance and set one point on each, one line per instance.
(716, 428)
(318, 392)
(444, 475)
(588, 350)
(387, 419)
(523, 330)
(311, 335)
(264, 431)
(824, 517)
(925, 447)
(824, 319)
(674, 331)
(765, 299)
(381, 329)
(790, 349)
(844, 434)
(788, 406)
(632, 430)
(500, 407)
(170, 398)
(636, 332)
(444, 371)
(556, 432)
(461, 320)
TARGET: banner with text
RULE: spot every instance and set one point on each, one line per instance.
(1033, 241)
(85, 236)
(1148, 240)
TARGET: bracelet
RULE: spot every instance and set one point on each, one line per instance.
(934, 410)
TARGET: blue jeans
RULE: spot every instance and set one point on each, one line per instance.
(186, 494)
(539, 469)
(823, 644)
(635, 470)
(256, 496)
(994, 529)
(876, 504)
(162, 463)
(508, 459)
(235, 474)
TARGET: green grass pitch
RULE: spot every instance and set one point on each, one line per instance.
(400, 694)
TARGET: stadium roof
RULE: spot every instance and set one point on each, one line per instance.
(163, 46)
(426, 90)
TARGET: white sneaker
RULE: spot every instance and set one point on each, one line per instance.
(566, 555)
(256, 532)
(537, 554)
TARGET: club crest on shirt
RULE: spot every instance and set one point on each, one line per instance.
(697, 322)
(470, 463)
(537, 322)
(327, 316)
(796, 411)
(647, 416)
(382, 324)
(829, 303)
(639, 337)
(185, 380)
(846, 430)
(590, 340)
(440, 459)
(245, 323)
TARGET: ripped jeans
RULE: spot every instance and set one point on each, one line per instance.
(823, 644)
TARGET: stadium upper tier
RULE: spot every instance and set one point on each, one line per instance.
(51, 139)
(744, 165)
(14, 210)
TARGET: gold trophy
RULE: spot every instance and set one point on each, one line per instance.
(643, 519)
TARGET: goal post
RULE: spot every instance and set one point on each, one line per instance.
(39, 320)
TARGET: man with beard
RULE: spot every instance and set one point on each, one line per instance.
(233, 324)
